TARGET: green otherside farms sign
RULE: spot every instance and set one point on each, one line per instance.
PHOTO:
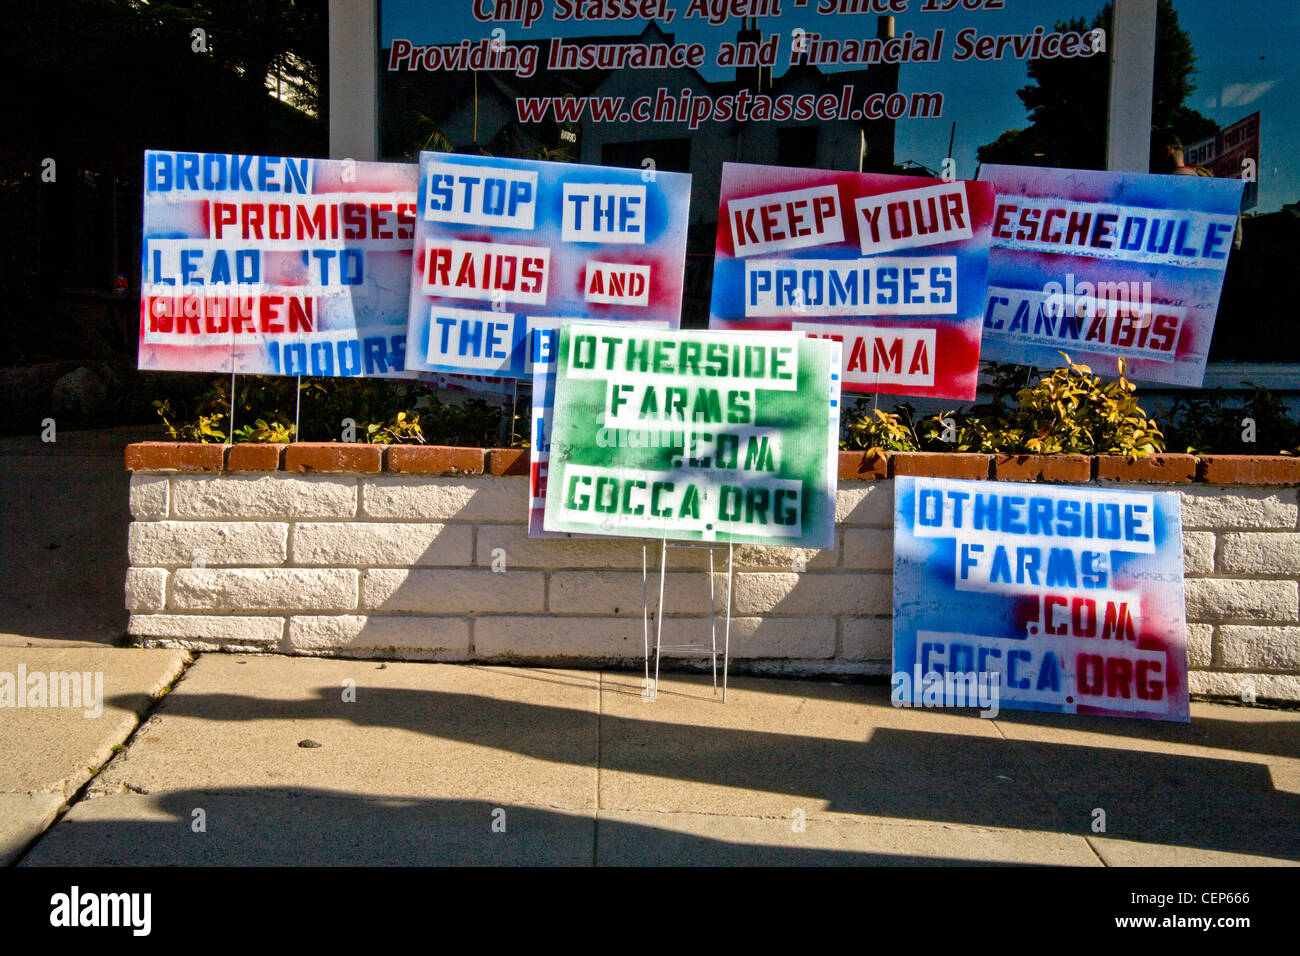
(696, 436)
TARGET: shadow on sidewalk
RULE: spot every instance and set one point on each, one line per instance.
(266, 827)
(1150, 797)
(63, 534)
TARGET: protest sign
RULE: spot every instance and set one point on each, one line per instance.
(494, 386)
(1103, 265)
(539, 447)
(505, 247)
(696, 436)
(1065, 599)
(892, 267)
(272, 265)
(539, 444)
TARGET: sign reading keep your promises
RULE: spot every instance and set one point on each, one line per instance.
(505, 248)
(1070, 600)
(698, 436)
(892, 267)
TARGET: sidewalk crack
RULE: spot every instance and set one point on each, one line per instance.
(93, 786)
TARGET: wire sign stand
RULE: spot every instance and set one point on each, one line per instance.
(651, 692)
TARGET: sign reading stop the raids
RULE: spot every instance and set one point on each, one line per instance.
(696, 436)
(272, 265)
(1103, 265)
(1052, 598)
(507, 247)
(892, 267)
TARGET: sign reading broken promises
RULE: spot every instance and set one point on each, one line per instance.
(1069, 600)
(891, 267)
(274, 265)
(506, 249)
(697, 436)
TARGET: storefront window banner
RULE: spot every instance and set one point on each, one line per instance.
(892, 267)
(1060, 599)
(275, 265)
(695, 436)
(1104, 265)
(506, 247)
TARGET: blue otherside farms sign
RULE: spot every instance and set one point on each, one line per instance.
(507, 247)
(1069, 599)
(1104, 265)
(274, 265)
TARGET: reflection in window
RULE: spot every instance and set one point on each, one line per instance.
(1242, 118)
(797, 146)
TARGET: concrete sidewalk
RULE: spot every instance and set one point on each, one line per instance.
(441, 763)
(63, 537)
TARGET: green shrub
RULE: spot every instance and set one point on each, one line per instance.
(1070, 410)
(1208, 422)
(381, 412)
(872, 429)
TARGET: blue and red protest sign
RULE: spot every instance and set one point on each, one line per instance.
(274, 265)
(506, 247)
(893, 267)
(1104, 265)
(1059, 599)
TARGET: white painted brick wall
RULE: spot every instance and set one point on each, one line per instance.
(341, 633)
(209, 629)
(424, 498)
(1200, 645)
(1211, 508)
(263, 496)
(754, 638)
(621, 592)
(866, 503)
(1233, 599)
(146, 589)
(1259, 552)
(1256, 647)
(838, 594)
(149, 495)
(869, 549)
(454, 591)
(867, 638)
(363, 544)
(208, 543)
(1198, 552)
(521, 551)
(498, 637)
(401, 566)
(263, 589)
(1236, 683)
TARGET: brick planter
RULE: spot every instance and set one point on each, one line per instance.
(415, 552)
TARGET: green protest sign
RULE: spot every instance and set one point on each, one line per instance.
(693, 435)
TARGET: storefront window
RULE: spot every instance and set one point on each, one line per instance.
(928, 87)
(1241, 118)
